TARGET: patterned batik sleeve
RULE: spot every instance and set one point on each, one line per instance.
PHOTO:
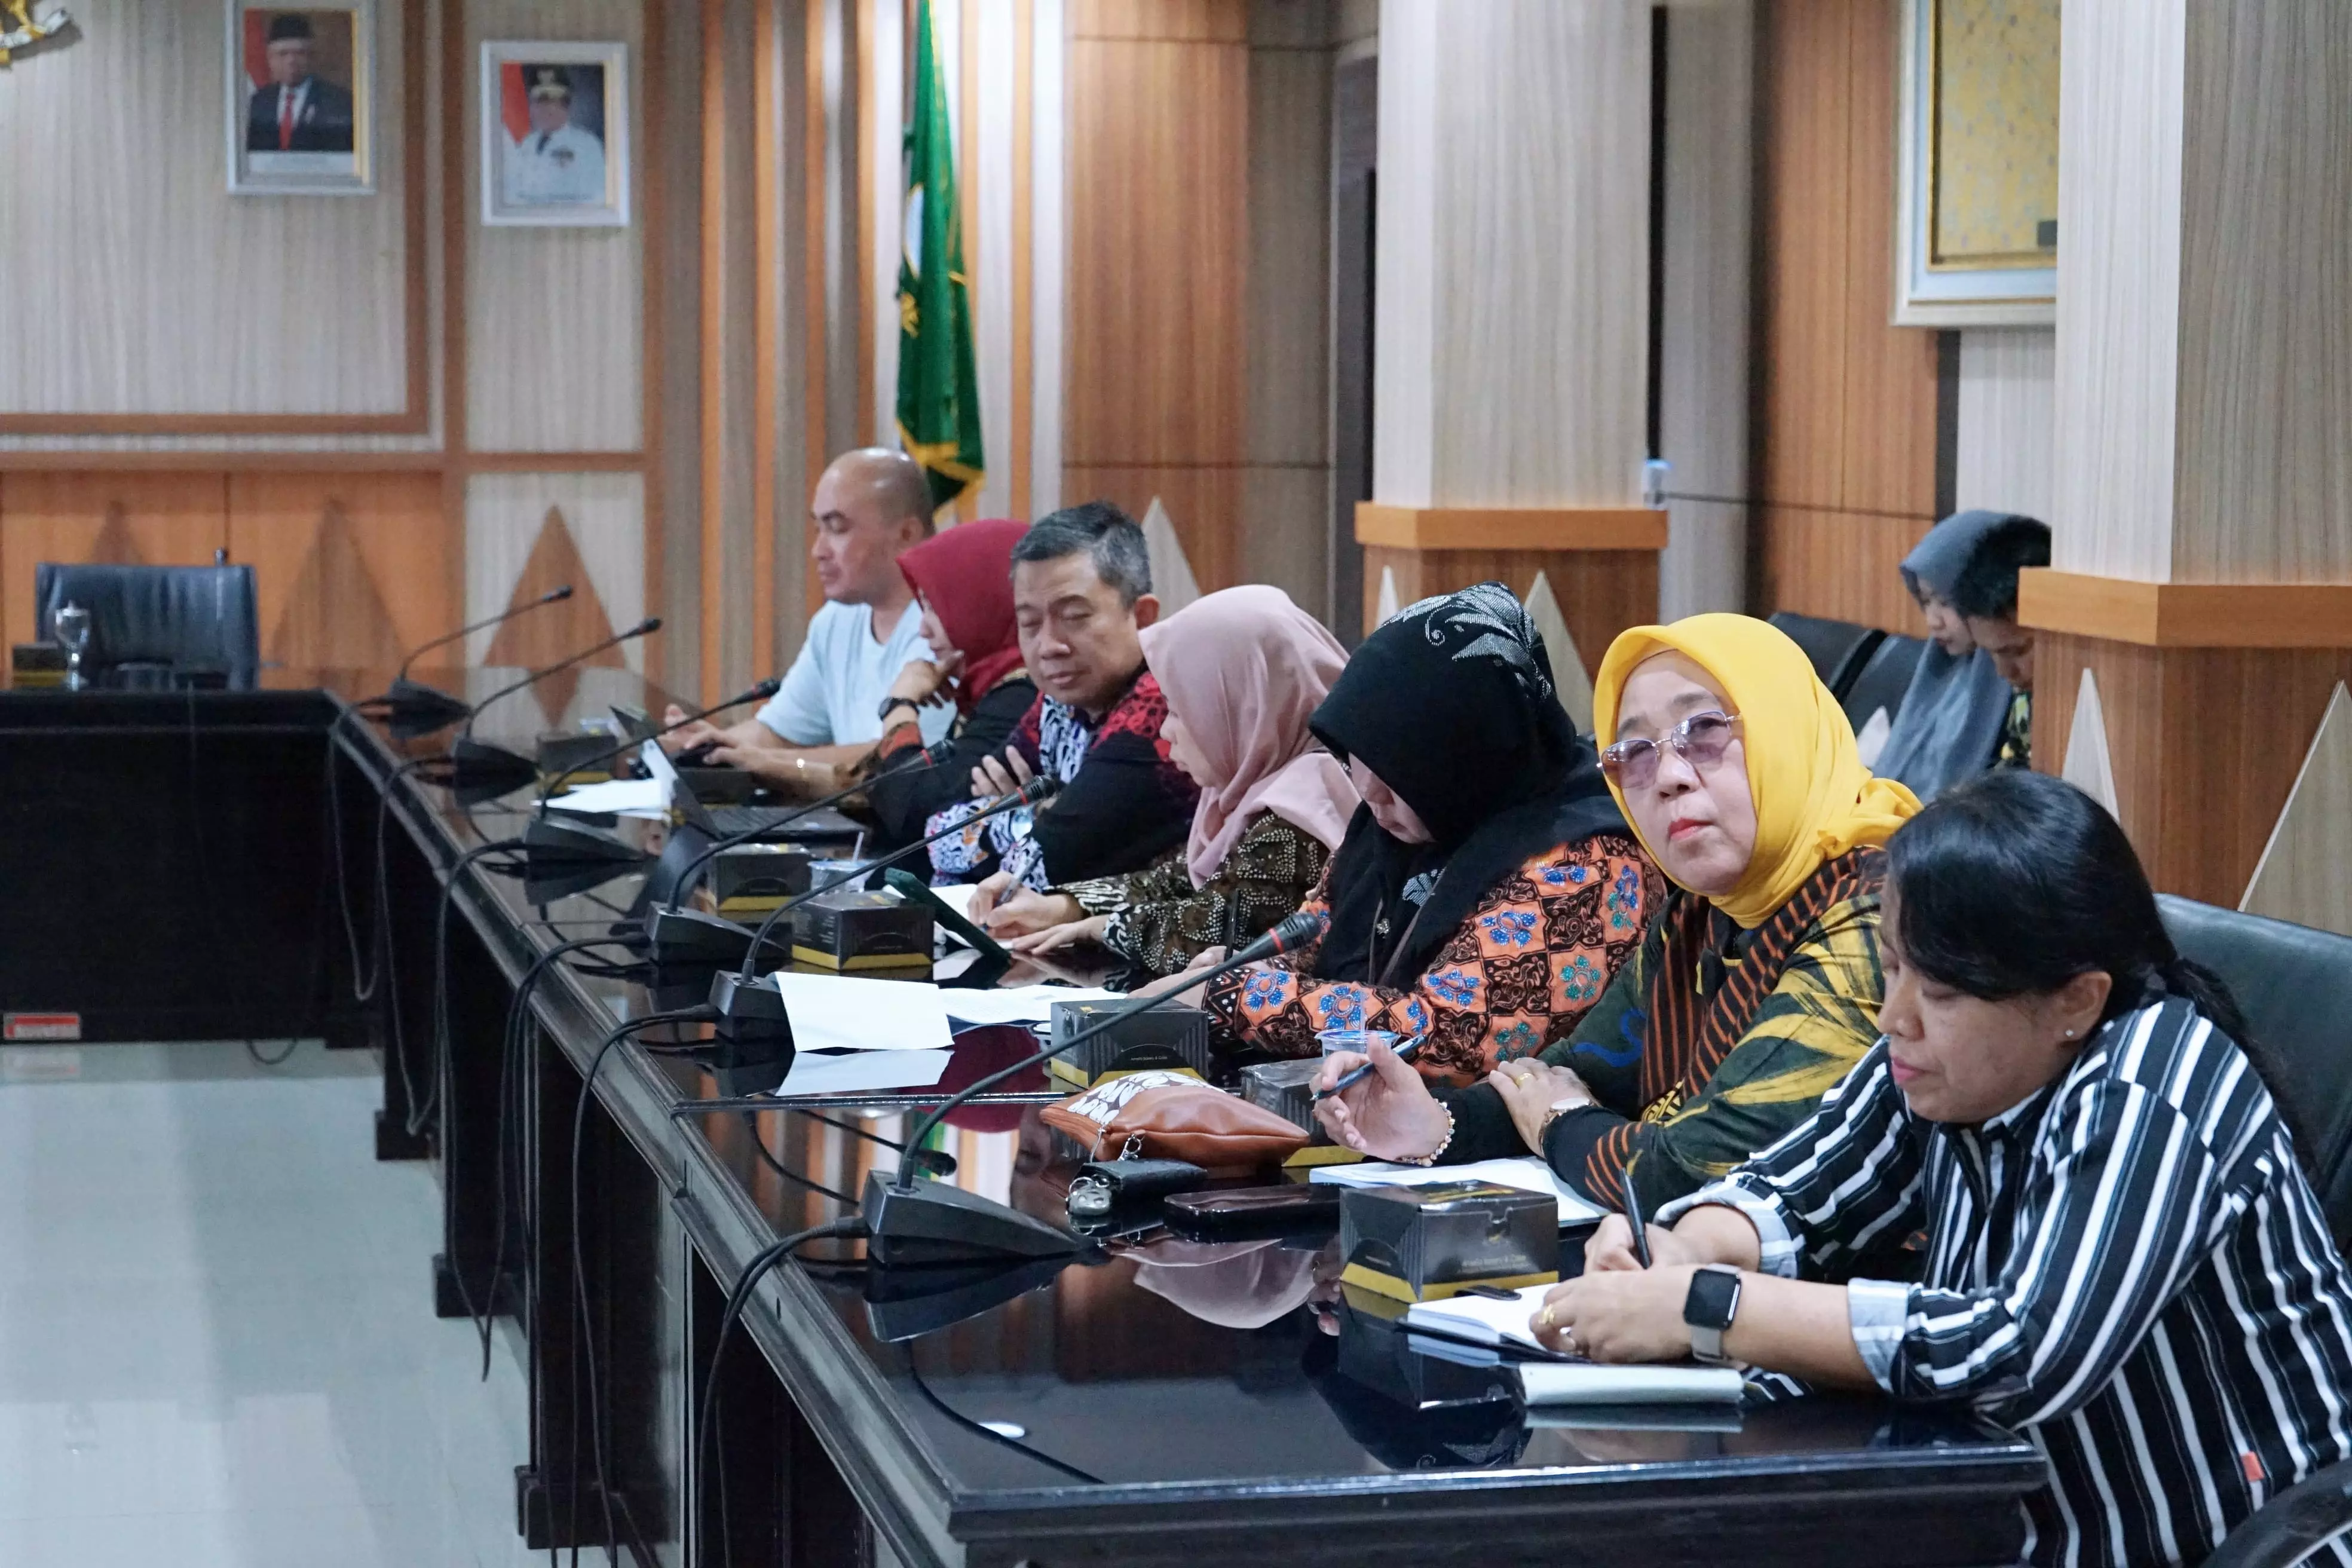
(1532, 958)
(1164, 923)
(1816, 1024)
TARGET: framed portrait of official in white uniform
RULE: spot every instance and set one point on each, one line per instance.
(301, 99)
(555, 135)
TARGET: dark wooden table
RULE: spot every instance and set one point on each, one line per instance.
(173, 871)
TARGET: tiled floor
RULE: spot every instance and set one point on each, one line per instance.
(217, 1347)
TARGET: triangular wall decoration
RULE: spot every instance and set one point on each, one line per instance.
(543, 636)
(2305, 871)
(1172, 575)
(115, 544)
(1568, 680)
(335, 618)
(2088, 765)
(1385, 610)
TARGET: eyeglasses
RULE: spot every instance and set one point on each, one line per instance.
(1700, 740)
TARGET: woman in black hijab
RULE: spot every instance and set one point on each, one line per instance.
(1488, 888)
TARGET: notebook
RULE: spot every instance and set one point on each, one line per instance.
(1481, 1320)
(1528, 1173)
(1588, 1382)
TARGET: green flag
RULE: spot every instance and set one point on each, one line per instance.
(938, 393)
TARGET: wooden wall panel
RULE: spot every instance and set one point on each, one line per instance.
(593, 526)
(1801, 209)
(1158, 191)
(2009, 386)
(1185, 21)
(2264, 421)
(2206, 743)
(1839, 564)
(139, 287)
(153, 520)
(1888, 460)
(1847, 406)
(351, 570)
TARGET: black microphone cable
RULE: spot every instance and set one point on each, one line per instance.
(582, 1317)
(739, 1298)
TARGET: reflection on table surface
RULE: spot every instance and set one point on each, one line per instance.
(1147, 1358)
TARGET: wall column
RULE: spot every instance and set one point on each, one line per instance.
(1511, 355)
(2203, 552)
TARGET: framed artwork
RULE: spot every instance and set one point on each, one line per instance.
(301, 99)
(555, 135)
(1976, 221)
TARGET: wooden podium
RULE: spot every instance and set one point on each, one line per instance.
(1601, 562)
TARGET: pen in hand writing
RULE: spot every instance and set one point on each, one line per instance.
(1634, 1218)
(1356, 1076)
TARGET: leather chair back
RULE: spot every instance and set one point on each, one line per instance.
(1884, 676)
(2294, 986)
(158, 625)
(1838, 649)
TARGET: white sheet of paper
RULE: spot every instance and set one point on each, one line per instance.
(1583, 1383)
(849, 1070)
(844, 1012)
(1528, 1173)
(1020, 1003)
(1482, 1320)
(618, 797)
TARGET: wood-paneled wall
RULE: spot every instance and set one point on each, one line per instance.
(1846, 409)
(1157, 190)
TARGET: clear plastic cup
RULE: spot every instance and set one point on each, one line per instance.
(1357, 1040)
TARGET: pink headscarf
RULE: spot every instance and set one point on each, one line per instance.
(1244, 668)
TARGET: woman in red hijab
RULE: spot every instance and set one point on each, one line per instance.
(962, 576)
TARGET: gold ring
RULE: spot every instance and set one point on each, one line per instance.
(1544, 1318)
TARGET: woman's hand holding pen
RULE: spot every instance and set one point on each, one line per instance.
(1389, 1114)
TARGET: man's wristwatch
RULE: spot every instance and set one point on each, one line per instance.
(1708, 1309)
(883, 712)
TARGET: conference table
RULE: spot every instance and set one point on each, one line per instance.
(273, 864)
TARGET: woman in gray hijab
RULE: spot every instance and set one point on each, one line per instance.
(1950, 724)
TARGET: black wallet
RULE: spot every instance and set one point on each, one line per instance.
(1102, 1184)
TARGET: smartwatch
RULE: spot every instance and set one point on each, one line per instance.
(1709, 1309)
(882, 714)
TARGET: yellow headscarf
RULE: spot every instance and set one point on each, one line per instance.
(1814, 800)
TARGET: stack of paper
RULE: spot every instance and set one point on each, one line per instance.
(617, 797)
(844, 1012)
(1528, 1174)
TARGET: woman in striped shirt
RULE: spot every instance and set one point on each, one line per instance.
(2123, 1260)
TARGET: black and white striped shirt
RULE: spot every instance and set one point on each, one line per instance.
(2128, 1268)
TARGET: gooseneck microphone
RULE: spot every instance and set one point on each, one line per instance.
(1040, 786)
(929, 756)
(477, 765)
(554, 786)
(936, 1222)
(414, 708)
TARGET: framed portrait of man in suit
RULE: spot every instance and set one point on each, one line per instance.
(301, 99)
(555, 135)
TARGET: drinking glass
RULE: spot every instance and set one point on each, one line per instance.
(73, 635)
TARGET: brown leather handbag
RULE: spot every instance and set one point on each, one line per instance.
(1174, 1116)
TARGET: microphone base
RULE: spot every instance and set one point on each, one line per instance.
(686, 938)
(414, 709)
(479, 771)
(560, 843)
(935, 1222)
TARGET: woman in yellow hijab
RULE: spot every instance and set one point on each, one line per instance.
(1757, 987)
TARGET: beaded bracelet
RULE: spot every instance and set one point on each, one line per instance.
(1442, 1145)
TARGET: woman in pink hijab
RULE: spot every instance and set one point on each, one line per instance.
(1242, 670)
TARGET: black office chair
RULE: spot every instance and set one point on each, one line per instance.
(2294, 986)
(158, 626)
(1838, 649)
(2293, 1525)
(1884, 676)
